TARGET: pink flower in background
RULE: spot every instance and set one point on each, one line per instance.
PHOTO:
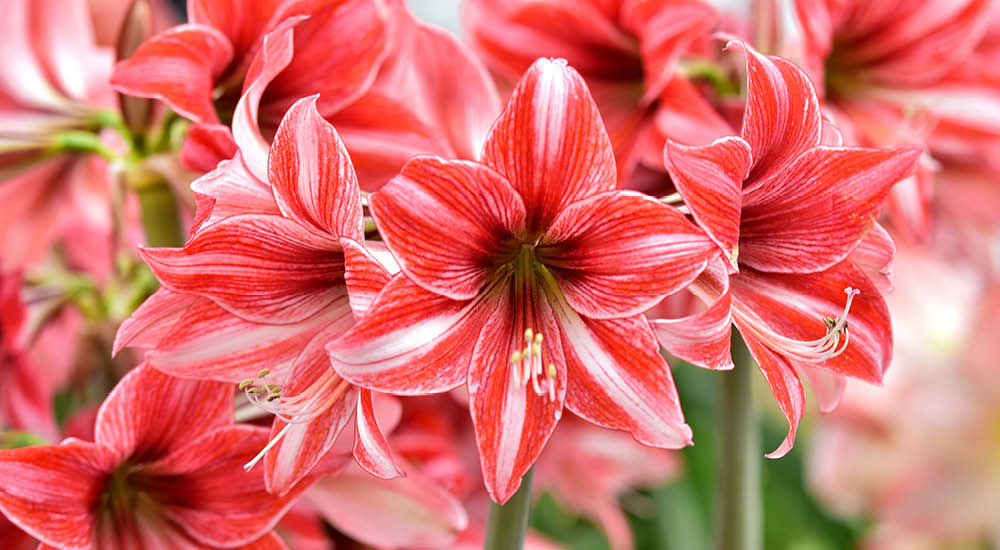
(628, 52)
(165, 470)
(393, 87)
(909, 72)
(526, 277)
(791, 216)
(53, 82)
(279, 278)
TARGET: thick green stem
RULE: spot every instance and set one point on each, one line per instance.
(738, 493)
(508, 523)
(161, 218)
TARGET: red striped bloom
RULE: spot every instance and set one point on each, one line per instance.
(802, 255)
(526, 276)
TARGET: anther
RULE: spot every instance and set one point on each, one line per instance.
(263, 373)
(245, 384)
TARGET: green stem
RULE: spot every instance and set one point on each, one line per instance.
(508, 523)
(161, 219)
(738, 493)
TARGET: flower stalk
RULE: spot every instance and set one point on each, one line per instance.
(738, 492)
(509, 522)
(161, 218)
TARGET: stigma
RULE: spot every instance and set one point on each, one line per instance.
(832, 344)
(528, 366)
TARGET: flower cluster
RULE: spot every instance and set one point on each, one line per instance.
(338, 265)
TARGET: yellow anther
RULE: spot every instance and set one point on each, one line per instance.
(528, 335)
(538, 338)
(272, 388)
(515, 357)
(245, 384)
(552, 370)
(256, 389)
(263, 373)
(273, 396)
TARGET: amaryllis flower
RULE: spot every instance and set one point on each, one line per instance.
(791, 217)
(909, 72)
(165, 470)
(52, 84)
(525, 276)
(627, 50)
(263, 285)
(392, 86)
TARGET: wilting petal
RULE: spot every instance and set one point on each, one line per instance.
(149, 413)
(312, 175)
(318, 404)
(212, 498)
(511, 419)
(619, 253)
(710, 180)
(619, 380)
(409, 512)
(205, 146)
(874, 256)
(371, 450)
(817, 211)
(702, 338)
(208, 342)
(550, 143)
(785, 386)
(364, 275)
(666, 28)
(434, 68)
(783, 117)
(411, 341)
(793, 306)
(50, 491)
(265, 269)
(178, 67)
(445, 220)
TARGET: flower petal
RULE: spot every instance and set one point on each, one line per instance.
(817, 211)
(874, 256)
(702, 338)
(447, 222)
(262, 268)
(410, 342)
(406, 512)
(150, 413)
(793, 306)
(550, 143)
(710, 180)
(371, 450)
(152, 320)
(50, 491)
(619, 253)
(312, 175)
(232, 191)
(205, 146)
(512, 420)
(618, 379)
(782, 118)
(364, 275)
(785, 386)
(178, 67)
(212, 498)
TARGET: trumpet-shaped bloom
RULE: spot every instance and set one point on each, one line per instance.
(909, 72)
(525, 276)
(164, 470)
(795, 222)
(628, 52)
(390, 84)
(268, 278)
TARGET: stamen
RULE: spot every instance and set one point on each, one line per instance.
(821, 349)
(528, 366)
(268, 447)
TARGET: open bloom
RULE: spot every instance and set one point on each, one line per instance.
(52, 83)
(795, 222)
(263, 284)
(526, 276)
(627, 51)
(393, 87)
(906, 72)
(164, 470)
